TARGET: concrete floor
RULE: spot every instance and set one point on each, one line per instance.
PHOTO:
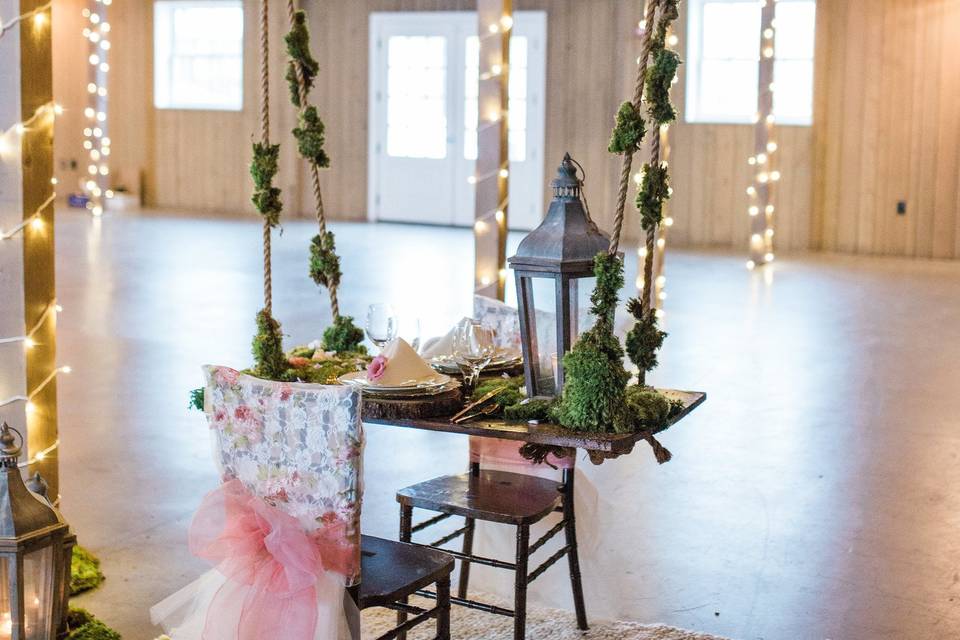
(815, 495)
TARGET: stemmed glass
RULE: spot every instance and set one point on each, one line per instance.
(382, 323)
(474, 345)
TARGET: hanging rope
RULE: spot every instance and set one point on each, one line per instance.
(646, 47)
(265, 140)
(314, 169)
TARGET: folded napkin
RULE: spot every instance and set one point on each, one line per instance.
(398, 364)
(442, 346)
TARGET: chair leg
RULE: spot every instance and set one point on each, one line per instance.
(520, 583)
(406, 524)
(570, 530)
(465, 564)
(443, 608)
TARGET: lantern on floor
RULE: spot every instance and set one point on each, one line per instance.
(34, 554)
(552, 259)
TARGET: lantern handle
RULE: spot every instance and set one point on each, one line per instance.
(583, 195)
(13, 452)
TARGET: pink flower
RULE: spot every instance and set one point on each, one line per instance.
(230, 376)
(377, 368)
(285, 392)
(243, 412)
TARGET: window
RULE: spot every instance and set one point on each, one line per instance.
(198, 54)
(723, 55)
(417, 97)
(516, 101)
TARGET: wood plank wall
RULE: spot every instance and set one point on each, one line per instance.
(888, 114)
(887, 125)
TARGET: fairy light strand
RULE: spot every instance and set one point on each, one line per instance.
(34, 13)
(96, 140)
(27, 338)
(40, 387)
(33, 220)
(762, 190)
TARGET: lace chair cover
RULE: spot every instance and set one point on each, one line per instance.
(297, 446)
(283, 530)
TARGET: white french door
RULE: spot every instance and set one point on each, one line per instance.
(423, 117)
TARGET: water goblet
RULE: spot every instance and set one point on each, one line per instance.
(474, 345)
(382, 324)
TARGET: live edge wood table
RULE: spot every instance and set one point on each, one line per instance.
(599, 445)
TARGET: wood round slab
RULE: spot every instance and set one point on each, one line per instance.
(442, 404)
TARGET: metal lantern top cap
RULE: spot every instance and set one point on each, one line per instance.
(567, 240)
(23, 515)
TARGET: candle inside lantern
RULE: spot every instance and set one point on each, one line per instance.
(6, 626)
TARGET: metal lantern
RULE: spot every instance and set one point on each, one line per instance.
(35, 546)
(560, 250)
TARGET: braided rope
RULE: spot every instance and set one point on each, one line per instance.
(265, 139)
(647, 46)
(645, 298)
(314, 170)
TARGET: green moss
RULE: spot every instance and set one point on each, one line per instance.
(654, 191)
(509, 391)
(82, 625)
(659, 80)
(327, 371)
(85, 571)
(647, 408)
(629, 130)
(310, 137)
(298, 48)
(324, 261)
(669, 11)
(595, 379)
(533, 409)
(196, 399)
(645, 338)
(263, 168)
(343, 335)
(270, 361)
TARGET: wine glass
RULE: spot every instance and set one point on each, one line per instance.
(410, 331)
(474, 345)
(382, 324)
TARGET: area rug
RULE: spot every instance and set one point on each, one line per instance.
(542, 624)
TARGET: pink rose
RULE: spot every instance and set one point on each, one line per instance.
(376, 368)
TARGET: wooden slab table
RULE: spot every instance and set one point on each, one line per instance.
(603, 445)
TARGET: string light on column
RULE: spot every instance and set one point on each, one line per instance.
(761, 192)
(491, 220)
(37, 15)
(96, 139)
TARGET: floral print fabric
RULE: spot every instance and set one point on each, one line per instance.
(297, 446)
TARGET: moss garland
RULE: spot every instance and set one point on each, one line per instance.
(298, 48)
(645, 338)
(659, 79)
(311, 138)
(654, 191)
(628, 131)
(324, 261)
(263, 168)
(267, 348)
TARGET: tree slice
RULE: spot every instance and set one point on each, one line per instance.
(442, 404)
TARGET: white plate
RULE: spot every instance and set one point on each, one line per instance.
(359, 379)
(411, 392)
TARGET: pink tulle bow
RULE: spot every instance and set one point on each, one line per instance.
(273, 567)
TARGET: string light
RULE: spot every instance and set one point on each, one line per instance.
(96, 143)
(762, 190)
(29, 405)
(33, 220)
(38, 14)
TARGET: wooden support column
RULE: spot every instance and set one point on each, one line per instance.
(492, 174)
(28, 374)
(761, 191)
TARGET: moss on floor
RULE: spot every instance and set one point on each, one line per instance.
(85, 571)
(82, 625)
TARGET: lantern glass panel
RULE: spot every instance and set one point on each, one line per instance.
(38, 574)
(6, 620)
(544, 322)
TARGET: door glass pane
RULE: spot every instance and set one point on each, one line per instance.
(417, 97)
(517, 104)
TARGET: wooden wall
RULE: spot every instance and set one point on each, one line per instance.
(886, 124)
(888, 114)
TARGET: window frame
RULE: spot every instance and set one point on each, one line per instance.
(164, 74)
(694, 46)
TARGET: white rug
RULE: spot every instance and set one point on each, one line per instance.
(542, 624)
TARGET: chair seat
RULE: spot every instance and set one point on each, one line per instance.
(493, 496)
(393, 570)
